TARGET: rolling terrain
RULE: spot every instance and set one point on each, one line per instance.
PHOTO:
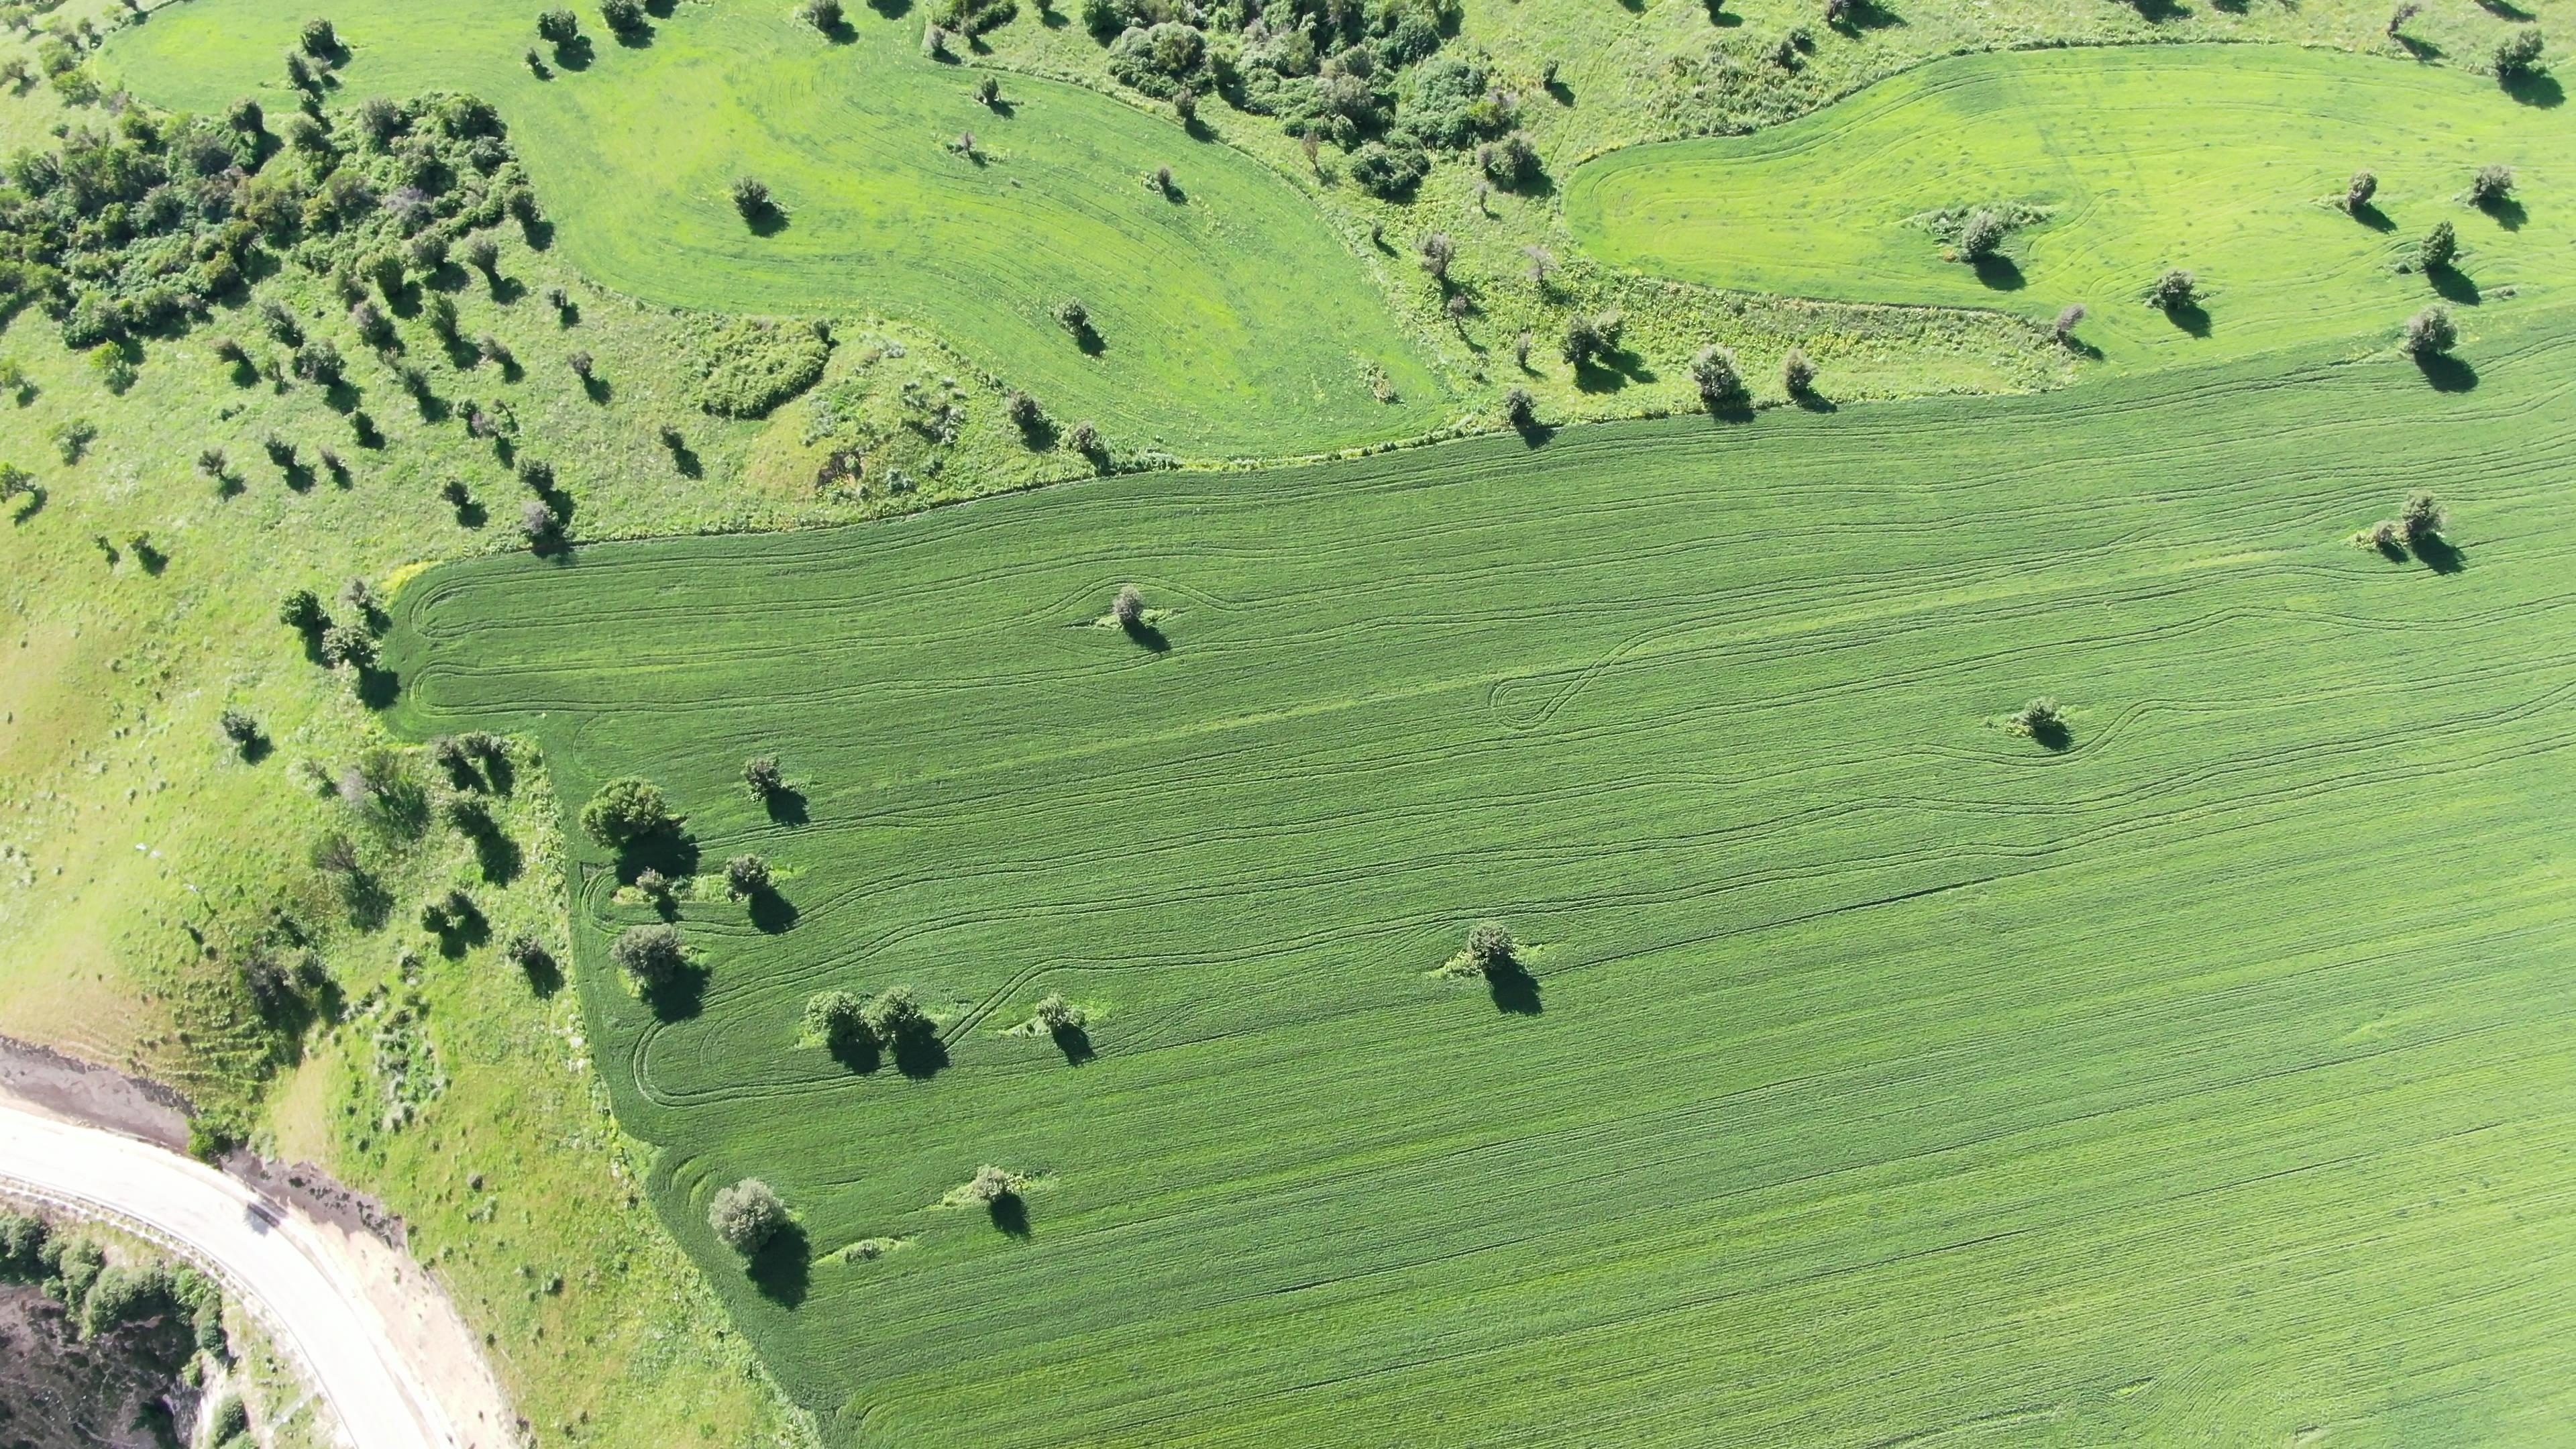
(1882, 1073)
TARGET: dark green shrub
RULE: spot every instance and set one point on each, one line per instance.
(892, 1015)
(651, 956)
(1389, 170)
(1161, 60)
(2517, 56)
(302, 611)
(823, 15)
(241, 730)
(2439, 246)
(624, 811)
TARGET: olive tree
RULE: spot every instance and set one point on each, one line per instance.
(651, 956)
(746, 1215)
(624, 811)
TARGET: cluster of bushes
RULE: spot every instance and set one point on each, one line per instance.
(138, 228)
(74, 1271)
(750, 366)
(1371, 78)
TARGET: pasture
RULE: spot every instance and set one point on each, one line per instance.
(2231, 161)
(1884, 1076)
(1229, 318)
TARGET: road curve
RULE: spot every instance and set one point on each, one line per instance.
(306, 1295)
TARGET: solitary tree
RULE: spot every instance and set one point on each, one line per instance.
(746, 1215)
(751, 197)
(2176, 289)
(1490, 948)
(624, 811)
(2517, 56)
(2358, 191)
(2430, 333)
(760, 775)
(1797, 374)
(1714, 369)
(1128, 608)
(834, 1019)
(1981, 234)
(652, 956)
(2440, 245)
(746, 876)
(1438, 251)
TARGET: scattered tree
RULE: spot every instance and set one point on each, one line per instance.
(1075, 318)
(625, 17)
(242, 730)
(834, 1019)
(2517, 56)
(2068, 319)
(561, 27)
(1438, 251)
(2358, 191)
(1491, 949)
(1128, 608)
(319, 39)
(2175, 290)
(1025, 415)
(746, 1215)
(1519, 408)
(652, 956)
(2491, 185)
(761, 776)
(1056, 1014)
(893, 1015)
(580, 363)
(2430, 333)
(991, 1185)
(348, 646)
(746, 876)
(2421, 517)
(1797, 374)
(751, 197)
(2439, 246)
(823, 15)
(301, 611)
(2042, 719)
(1588, 339)
(1713, 368)
(624, 811)
(988, 92)
(1981, 234)
(540, 524)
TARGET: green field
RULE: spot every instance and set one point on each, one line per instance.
(2228, 160)
(1232, 321)
(1886, 1076)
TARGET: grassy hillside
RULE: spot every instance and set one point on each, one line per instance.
(1883, 1073)
(1231, 320)
(2229, 162)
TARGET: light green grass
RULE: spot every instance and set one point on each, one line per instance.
(1234, 321)
(2229, 161)
(1895, 1076)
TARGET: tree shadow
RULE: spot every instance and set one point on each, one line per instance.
(498, 857)
(377, 689)
(1814, 402)
(679, 998)
(1718, 17)
(598, 389)
(2391, 550)
(771, 912)
(2536, 88)
(891, 9)
(2447, 373)
(1514, 990)
(919, 1053)
(1999, 272)
(363, 431)
(366, 900)
(2371, 216)
(1010, 1213)
(2424, 51)
(785, 805)
(861, 1053)
(2502, 10)
(1074, 1042)
(2191, 317)
(152, 560)
(1862, 15)
(769, 220)
(685, 458)
(638, 36)
(1147, 636)
(2439, 555)
(2453, 285)
(784, 1266)
(670, 850)
(2508, 212)
(544, 977)
(1534, 434)
(27, 505)
(2052, 736)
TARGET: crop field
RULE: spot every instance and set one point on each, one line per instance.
(2227, 160)
(1883, 1075)
(1230, 319)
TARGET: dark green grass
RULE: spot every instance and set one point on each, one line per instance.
(1884, 1075)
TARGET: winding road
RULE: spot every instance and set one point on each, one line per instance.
(323, 1298)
